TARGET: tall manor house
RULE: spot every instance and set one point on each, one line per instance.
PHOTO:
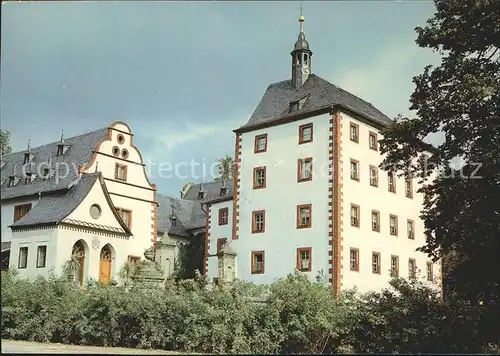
(307, 195)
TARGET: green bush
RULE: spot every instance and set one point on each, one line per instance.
(292, 316)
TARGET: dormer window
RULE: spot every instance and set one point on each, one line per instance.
(60, 150)
(294, 106)
(173, 220)
(11, 181)
(27, 157)
(223, 191)
(201, 194)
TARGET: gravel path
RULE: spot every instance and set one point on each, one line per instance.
(14, 346)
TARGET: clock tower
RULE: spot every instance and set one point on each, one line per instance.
(301, 58)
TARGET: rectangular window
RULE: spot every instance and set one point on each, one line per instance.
(391, 182)
(223, 216)
(221, 242)
(410, 227)
(373, 141)
(354, 169)
(304, 216)
(21, 210)
(259, 177)
(41, 256)
(354, 132)
(304, 169)
(305, 133)
(375, 220)
(126, 216)
(373, 176)
(257, 262)
(393, 225)
(258, 221)
(409, 188)
(394, 266)
(134, 259)
(376, 262)
(354, 259)
(120, 172)
(23, 257)
(304, 259)
(412, 268)
(430, 274)
(260, 143)
(355, 215)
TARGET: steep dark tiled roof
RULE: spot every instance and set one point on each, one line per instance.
(54, 208)
(318, 94)
(212, 190)
(188, 215)
(78, 152)
(188, 210)
(5, 246)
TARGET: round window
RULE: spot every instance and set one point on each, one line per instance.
(116, 151)
(95, 211)
(120, 139)
(124, 153)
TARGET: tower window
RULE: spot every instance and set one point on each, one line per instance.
(305, 58)
(299, 58)
(26, 158)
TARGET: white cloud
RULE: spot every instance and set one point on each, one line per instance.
(386, 80)
(193, 132)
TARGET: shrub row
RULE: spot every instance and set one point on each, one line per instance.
(292, 315)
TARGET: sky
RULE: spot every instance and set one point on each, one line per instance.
(183, 75)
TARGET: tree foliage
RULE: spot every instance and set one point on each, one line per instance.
(292, 316)
(225, 167)
(5, 141)
(460, 98)
(190, 257)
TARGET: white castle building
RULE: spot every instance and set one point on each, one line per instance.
(307, 195)
(87, 196)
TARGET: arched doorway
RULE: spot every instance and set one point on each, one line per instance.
(105, 264)
(76, 265)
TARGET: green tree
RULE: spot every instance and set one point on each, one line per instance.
(460, 98)
(5, 141)
(225, 167)
(190, 258)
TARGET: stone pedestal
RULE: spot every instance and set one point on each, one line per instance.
(226, 264)
(165, 255)
(150, 273)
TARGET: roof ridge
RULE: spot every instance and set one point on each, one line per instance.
(55, 142)
(352, 94)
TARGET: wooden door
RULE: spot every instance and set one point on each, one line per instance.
(105, 265)
(105, 271)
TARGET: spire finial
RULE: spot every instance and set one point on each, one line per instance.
(301, 19)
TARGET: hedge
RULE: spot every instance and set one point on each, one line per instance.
(294, 315)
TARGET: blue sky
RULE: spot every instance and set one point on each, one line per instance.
(184, 75)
